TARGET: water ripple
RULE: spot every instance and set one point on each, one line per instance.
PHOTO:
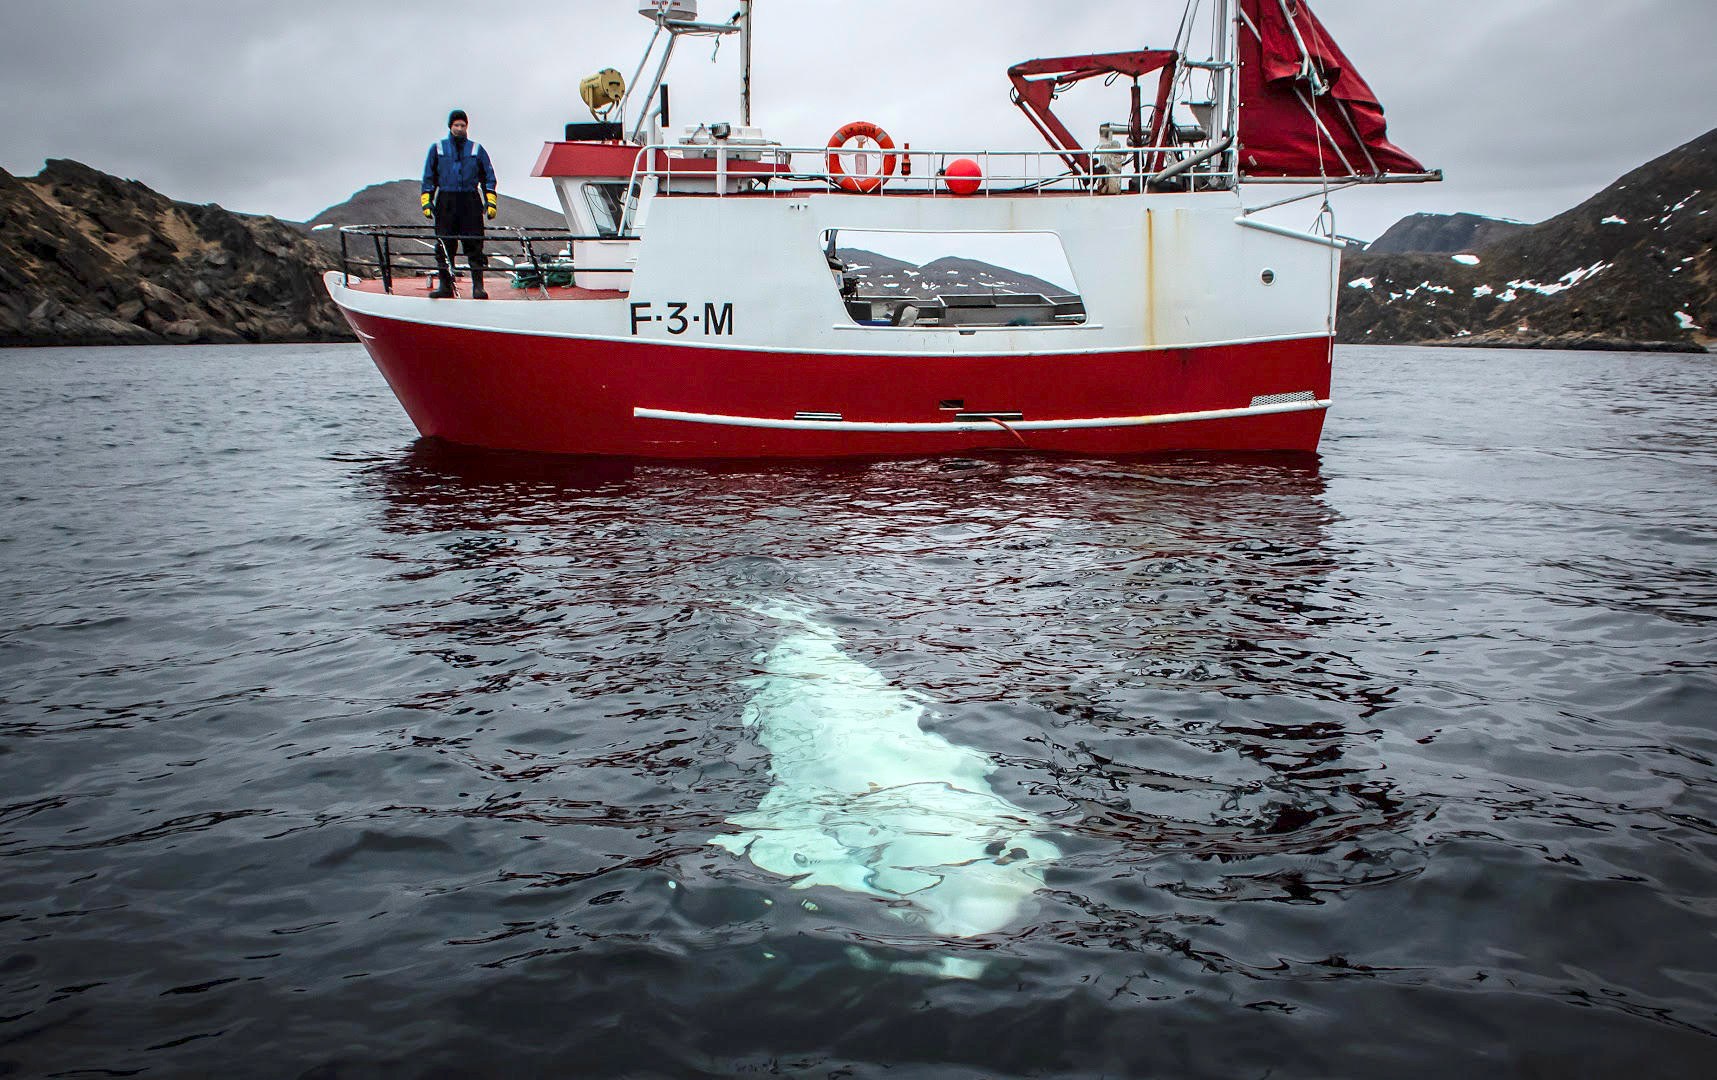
(328, 752)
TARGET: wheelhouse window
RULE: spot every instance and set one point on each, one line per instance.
(606, 202)
(953, 280)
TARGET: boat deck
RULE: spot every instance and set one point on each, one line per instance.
(499, 286)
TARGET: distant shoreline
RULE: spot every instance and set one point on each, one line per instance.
(1596, 345)
(1583, 345)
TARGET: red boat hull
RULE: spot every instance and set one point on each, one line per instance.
(510, 391)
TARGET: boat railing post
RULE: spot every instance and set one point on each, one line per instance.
(530, 253)
(721, 168)
(383, 252)
(649, 184)
(633, 206)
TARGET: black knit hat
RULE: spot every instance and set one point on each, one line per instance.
(455, 115)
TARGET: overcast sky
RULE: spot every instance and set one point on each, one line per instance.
(286, 108)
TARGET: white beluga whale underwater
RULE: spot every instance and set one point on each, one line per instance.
(865, 800)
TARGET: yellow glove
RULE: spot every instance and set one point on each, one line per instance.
(489, 196)
(427, 212)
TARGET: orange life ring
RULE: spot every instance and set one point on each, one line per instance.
(860, 185)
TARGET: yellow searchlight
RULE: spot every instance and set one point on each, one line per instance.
(603, 92)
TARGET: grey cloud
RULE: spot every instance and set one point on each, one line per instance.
(1529, 105)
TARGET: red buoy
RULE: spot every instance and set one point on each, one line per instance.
(963, 176)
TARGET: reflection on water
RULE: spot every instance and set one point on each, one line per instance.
(1119, 636)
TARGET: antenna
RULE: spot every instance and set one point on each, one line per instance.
(679, 19)
(745, 63)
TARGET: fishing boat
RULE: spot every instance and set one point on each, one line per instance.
(720, 295)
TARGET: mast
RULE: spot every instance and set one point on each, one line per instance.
(745, 63)
(1228, 84)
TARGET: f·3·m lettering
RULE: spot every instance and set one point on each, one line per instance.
(678, 317)
(718, 322)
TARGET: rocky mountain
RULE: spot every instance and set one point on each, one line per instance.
(1446, 233)
(880, 275)
(395, 202)
(1632, 267)
(90, 259)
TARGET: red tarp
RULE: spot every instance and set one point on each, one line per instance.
(1278, 136)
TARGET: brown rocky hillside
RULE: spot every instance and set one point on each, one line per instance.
(90, 259)
(1632, 267)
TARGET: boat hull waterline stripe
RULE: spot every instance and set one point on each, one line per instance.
(978, 425)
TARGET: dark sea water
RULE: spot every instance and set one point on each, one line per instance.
(327, 752)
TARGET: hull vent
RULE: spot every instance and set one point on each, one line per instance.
(1284, 399)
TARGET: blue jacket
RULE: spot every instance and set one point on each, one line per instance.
(458, 166)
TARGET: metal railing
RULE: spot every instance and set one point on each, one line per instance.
(753, 170)
(533, 257)
(790, 169)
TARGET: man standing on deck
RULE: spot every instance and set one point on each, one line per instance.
(458, 192)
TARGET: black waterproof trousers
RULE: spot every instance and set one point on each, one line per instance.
(459, 220)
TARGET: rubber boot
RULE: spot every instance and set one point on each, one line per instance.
(477, 290)
(443, 270)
